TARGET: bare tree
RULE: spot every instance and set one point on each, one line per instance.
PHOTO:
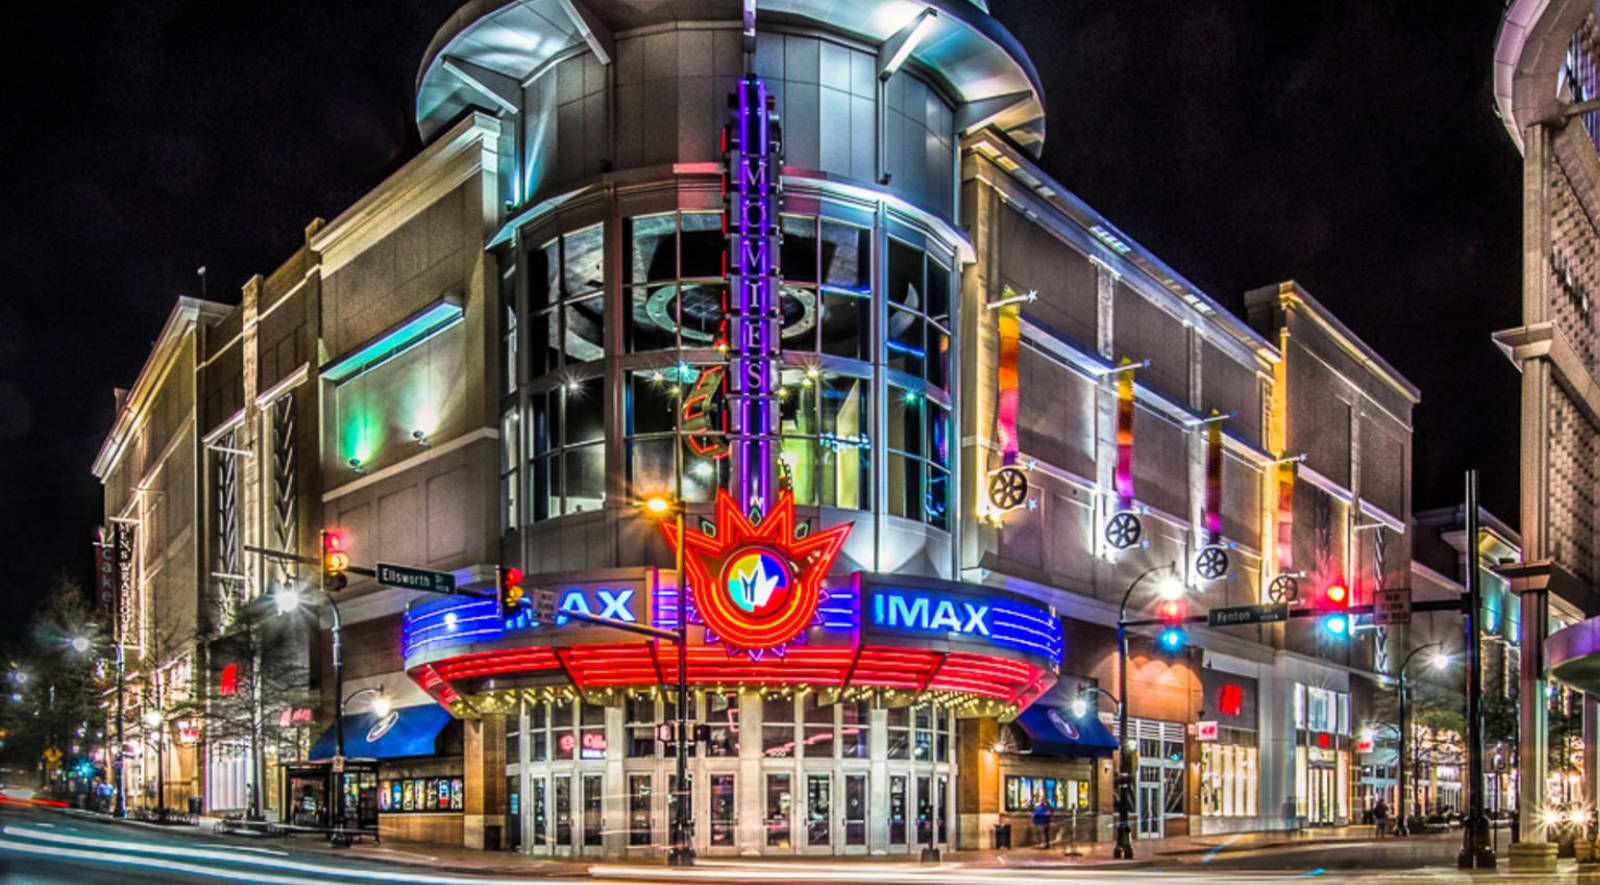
(259, 671)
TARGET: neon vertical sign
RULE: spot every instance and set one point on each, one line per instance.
(752, 186)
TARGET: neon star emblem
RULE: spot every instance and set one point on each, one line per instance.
(756, 586)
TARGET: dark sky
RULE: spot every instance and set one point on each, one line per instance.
(1353, 147)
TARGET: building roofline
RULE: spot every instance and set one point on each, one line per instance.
(1126, 252)
(1349, 341)
(185, 314)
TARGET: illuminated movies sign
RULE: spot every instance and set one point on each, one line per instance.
(961, 613)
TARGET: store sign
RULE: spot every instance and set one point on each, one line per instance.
(287, 718)
(229, 683)
(1207, 731)
(991, 620)
(756, 585)
(1231, 700)
(1364, 745)
(188, 734)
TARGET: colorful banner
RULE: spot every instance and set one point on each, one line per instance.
(1124, 475)
(1005, 421)
(1214, 480)
(1285, 517)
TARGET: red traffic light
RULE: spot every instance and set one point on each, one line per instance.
(509, 592)
(1171, 610)
(334, 541)
(1338, 596)
(513, 576)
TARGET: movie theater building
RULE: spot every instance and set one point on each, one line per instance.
(925, 415)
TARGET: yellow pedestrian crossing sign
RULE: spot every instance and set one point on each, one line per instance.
(52, 757)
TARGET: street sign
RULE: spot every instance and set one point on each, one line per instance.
(391, 575)
(52, 757)
(1248, 614)
(338, 765)
(1392, 606)
(543, 602)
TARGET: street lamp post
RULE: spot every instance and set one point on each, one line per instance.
(288, 599)
(1401, 828)
(1125, 801)
(681, 854)
(153, 719)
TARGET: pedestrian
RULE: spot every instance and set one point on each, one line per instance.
(1380, 813)
(1041, 823)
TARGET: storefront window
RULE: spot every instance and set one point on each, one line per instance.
(1229, 783)
(777, 727)
(722, 716)
(1023, 793)
(899, 721)
(420, 794)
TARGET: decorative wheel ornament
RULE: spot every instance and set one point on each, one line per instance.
(1008, 488)
(1124, 530)
(1283, 589)
(1212, 563)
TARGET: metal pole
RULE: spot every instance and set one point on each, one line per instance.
(1401, 828)
(116, 614)
(682, 853)
(336, 778)
(1124, 849)
(1475, 849)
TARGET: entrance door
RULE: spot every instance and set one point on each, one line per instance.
(819, 810)
(593, 816)
(513, 813)
(724, 800)
(897, 809)
(855, 810)
(563, 803)
(1152, 810)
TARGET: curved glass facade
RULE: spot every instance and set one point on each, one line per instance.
(616, 350)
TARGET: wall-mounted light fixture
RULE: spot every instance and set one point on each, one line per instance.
(420, 437)
(355, 464)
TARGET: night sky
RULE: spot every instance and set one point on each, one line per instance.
(1353, 147)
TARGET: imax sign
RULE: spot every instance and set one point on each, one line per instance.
(929, 613)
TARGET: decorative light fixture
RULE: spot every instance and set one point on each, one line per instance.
(420, 437)
(355, 464)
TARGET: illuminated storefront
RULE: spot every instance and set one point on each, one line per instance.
(1322, 758)
(846, 742)
(1230, 760)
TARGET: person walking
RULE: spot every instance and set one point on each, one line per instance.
(1380, 813)
(1041, 823)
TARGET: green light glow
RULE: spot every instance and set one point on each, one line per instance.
(359, 435)
(429, 321)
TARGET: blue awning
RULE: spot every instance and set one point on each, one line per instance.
(406, 731)
(1052, 731)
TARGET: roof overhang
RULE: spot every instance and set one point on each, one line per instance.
(1528, 53)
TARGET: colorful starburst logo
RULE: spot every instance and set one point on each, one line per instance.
(756, 585)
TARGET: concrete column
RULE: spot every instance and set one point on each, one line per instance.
(1275, 760)
(750, 832)
(878, 782)
(1533, 731)
(614, 806)
(1591, 750)
(978, 792)
(484, 777)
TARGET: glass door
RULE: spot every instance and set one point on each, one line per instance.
(641, 822)
(513, 813)
(819, 810)
(724, 800)
(563, 793)
(780, 802)
(540, 811)
(855, 809)
(593, 817)
(897, 809)
(1151, 808)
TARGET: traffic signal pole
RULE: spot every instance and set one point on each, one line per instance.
(1476, 852)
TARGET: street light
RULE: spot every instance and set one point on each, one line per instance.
(1438, 659)
(152, 720)
(79, 644)
(1080, 704)
(1124, 849)
(288, 598)
(681, 853)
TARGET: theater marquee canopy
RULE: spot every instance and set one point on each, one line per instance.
(980, 651)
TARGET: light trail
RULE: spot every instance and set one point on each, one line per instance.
(114, 851)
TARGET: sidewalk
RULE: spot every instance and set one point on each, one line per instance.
(458, 859)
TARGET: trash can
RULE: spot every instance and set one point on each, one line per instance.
(1002, 835)
(194, 805)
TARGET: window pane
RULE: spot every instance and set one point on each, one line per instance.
(585, 339)
(510, 441)
(938, 362)
(544, 488)
(937, 504)
(542, 264)
(640, 709)
(904, 342)
(652, 406)
(585, 411)
(818, 743)
(703, 244)
(544, 343)
(797, 464)
(847, 257)
(799, 254)
(702, 474)
(905, 420)
(905, 487)
(585, 478)
(778, 709)
(938, 434)
(779, 802)
(938, 293)
(798, 309)
(585, 266)
(702, 314)
(845, 476)
(777, 741)
(844, 408)
(905, 275)
(846, 319)
(650, 240)
(650, 467)
(650, 324)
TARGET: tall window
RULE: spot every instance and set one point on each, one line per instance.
(826, 453)
(917, 339)
(566, 468)
(566, 304)
(919, 457)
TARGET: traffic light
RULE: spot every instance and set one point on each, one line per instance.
(508, 587)
(1173, 637)
(335, 560)
(1336, 602)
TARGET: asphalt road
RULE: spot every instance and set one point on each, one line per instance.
(40, 847)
